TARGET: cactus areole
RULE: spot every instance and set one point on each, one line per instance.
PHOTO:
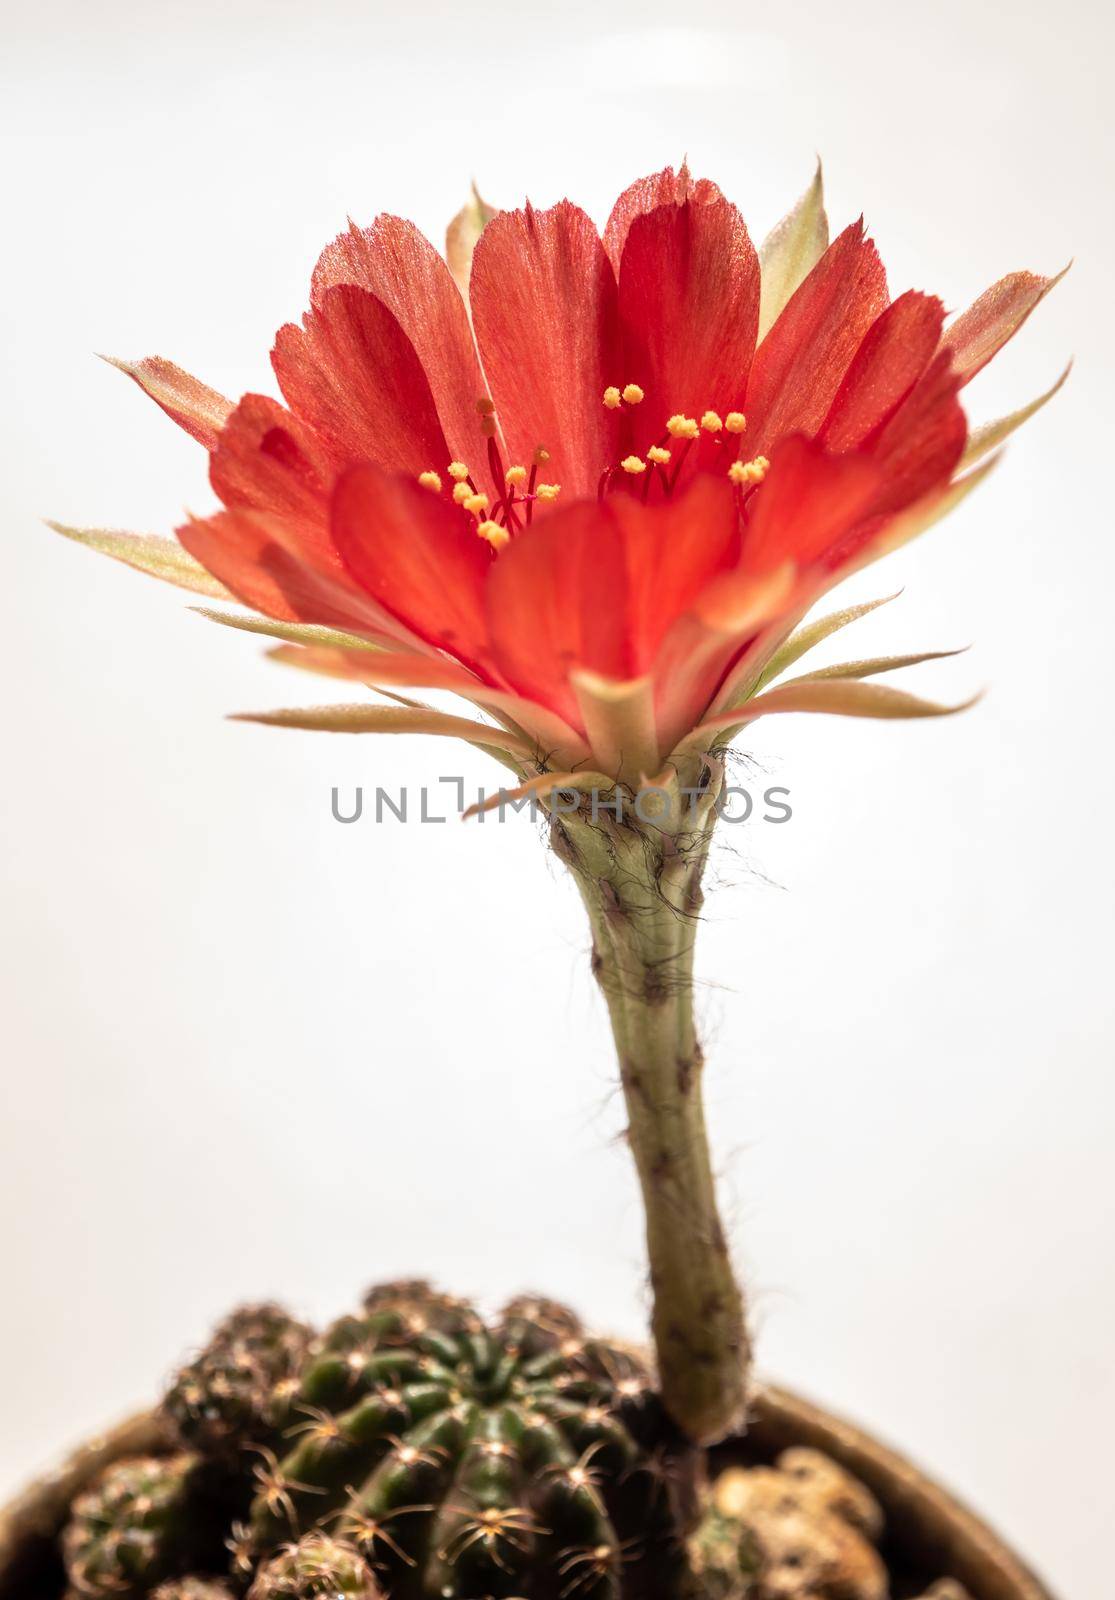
(590, 483)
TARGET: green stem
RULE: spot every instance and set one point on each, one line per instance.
(642, 887)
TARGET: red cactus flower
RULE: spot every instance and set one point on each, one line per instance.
(590, 484)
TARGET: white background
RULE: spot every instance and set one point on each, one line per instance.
(251, 1052)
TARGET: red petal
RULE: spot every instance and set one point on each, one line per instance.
(544, 307)
(393, 261)
(922, 443)
(351, 372)
(417, 555)
(556, 600)
(981, 332)
(675, 553)
(187, 401)
(599, 587)
(808, 502)
(672, 550)
(267, 460)
(248, 553)
(835, 517)
(646, 194)
(895, 352)
(689, 311)
(799, 365)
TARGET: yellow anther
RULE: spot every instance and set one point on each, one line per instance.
(711, 422)
(485, 406)
(541, 456)
(749, 472)
(476, 503)
(634, 465)
(496, 536)
(658, 455)
(458, 471)
(461, 493)
(430, 480)
(633, 394)
(679, 427)
(735, 422)
(612, 397)
(548, 491)
(515, 477)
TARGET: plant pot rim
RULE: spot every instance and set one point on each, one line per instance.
(932, 1527)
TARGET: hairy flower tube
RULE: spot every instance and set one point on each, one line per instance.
(592, 484)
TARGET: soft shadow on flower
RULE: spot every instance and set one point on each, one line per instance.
(590, 484)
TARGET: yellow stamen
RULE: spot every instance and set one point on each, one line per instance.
(430, 480)
(711, 422)
(515, 477)
(461, 493)
(496, 536)
(679, 427)
(633, 394)
(612, 397)
(658, 455)
(735, 422)
(541, 456)
(458, 471)
(749, 472)
(634, 465)
(548, 491)
(476, 503)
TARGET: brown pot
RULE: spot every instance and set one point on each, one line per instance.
(929, 1534)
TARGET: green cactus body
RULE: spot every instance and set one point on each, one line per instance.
(522, 1459)
(232, 1393)
(132, 1529)
(412, 1452)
